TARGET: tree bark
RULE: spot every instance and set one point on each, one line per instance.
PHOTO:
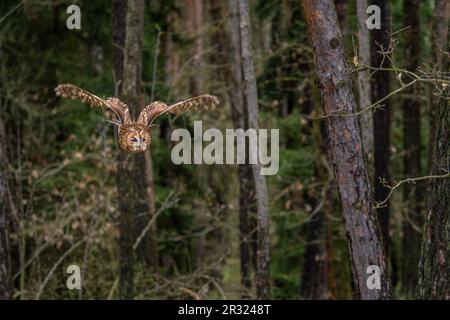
(441, 16)
(314, 281)
(365, 244)
(5, 265)
(317, 272)
(119, 13)
(434, 266)
(251, 107)
(131, 168)
(150, 188)
(366, 119)
(195, 23)
(244, 170)
(381, 118)
(341, 9)
(412, 193)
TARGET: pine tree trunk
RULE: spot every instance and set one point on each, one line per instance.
(412, 193)
(365, 243)
(366, 119)
(434, 267)
(5, 267)
(381, 118)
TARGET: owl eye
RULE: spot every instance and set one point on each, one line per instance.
(133, 140)
(143, 139)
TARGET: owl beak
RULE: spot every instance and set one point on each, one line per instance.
(142, 145)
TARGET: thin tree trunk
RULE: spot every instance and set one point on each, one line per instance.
(251, 106)
(341, 9)
(119, 14)
(434, 267)
(314, 284)
(5, 266)
(132, 94)
(315, 280)
(149, 173)
(154, 256)
(365, 244)
(172, 58)
(195, 20)
(195, 23)
(381, 118)
(412, 193)
(131, 168)
(119, 11)
(366, 119)
(244, 171)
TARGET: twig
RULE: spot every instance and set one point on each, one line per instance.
(164, 206)
(191, 293)
(380, 204)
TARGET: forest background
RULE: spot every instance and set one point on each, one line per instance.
(144, 228)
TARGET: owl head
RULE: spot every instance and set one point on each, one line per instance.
(134, 137)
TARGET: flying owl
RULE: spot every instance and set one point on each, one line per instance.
(135, 136)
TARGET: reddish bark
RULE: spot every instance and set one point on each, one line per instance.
(365, 244)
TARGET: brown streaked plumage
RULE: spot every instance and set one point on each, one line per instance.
(135, 136)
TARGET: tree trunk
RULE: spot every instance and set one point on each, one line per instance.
(195, 23)
(5, 267)
(412, 193)
(434, 267)
(314, 281)
(150, 188)
(366, 119)
(251, 107)
(441, 16)
(119, 13)
(341, 9)
(365, 244)
(244, 170)
(381, 118)
(131, 168)
(317, 272)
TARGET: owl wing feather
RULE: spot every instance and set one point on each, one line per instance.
(114, 104)
(150, 112)
(157, 108)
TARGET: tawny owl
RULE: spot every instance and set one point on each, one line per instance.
(135, 136)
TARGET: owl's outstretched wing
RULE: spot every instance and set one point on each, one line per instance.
(76, 93)
(157, 108)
